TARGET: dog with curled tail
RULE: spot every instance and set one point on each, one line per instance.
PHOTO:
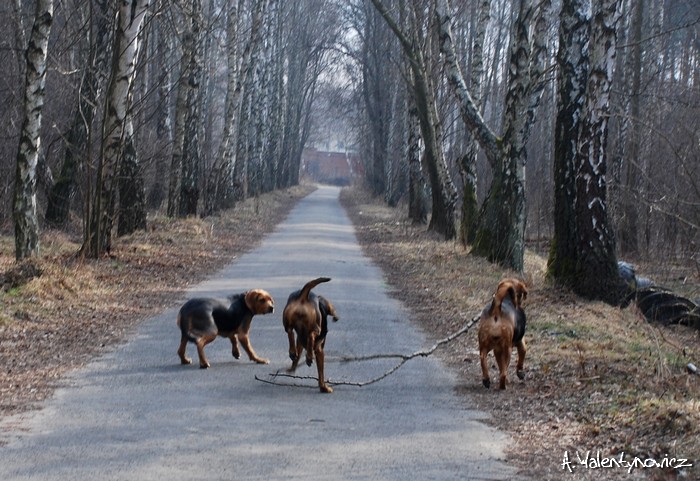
(305, 319)
(501, 327)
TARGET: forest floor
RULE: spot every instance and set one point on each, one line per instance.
(598, 379)
(601, 382)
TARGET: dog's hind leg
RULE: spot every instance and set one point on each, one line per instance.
(181, 351)
(522, 349)
(293, 355)
(310, 348)
(234, 346)
(503, 361)
(201, 342)
(483, 355)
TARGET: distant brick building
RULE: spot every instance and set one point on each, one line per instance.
(337, 168)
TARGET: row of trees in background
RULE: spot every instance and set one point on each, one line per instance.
(597, 98)
(186, 106)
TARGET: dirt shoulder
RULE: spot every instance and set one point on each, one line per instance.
(77, 308)
(600, 381)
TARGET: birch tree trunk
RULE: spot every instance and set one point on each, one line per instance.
(596, 271)
(164, 126)
(24, 207)
(116, 126)
(572, 60)
(417, 198)
(219, 193)
(583, 249)
(500, 234)
(467, 164)
(629, 222)
(193, 51)
(444, 195)
(244, 132)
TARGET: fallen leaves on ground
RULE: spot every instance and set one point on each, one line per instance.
(599, 380)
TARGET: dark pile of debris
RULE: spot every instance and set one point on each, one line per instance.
(658, 303)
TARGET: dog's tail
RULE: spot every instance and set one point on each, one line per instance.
(310, 285)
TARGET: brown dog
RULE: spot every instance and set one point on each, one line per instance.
(501, 327)
(202, 319)
(306, 315)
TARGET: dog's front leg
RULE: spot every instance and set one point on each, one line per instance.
(320, 357)
(245, 342)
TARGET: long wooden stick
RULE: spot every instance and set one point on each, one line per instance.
(404, 359)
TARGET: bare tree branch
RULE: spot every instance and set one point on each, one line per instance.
(404, 359)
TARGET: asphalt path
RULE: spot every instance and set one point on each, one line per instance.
(137, 414)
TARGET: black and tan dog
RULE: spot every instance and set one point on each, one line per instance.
(201, 320)
(501, 327)
(306, 315)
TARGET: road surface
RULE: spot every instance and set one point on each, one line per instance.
(137, 414)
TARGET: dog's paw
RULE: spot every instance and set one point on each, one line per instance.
(327, 389)
(309, 361)
(262, 361)
(520, 374)
(236, 354)
(487, 383)
(185, 361)
(293, 356)
(205, 366)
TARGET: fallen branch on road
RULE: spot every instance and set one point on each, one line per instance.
(404, 359)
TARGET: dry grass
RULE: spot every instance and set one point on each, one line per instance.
(598, 378)
(57, 321)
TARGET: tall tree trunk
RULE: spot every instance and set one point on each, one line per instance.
(597, 273)
(583, 250)
(467, 163)
(572, 60)
(219, 193)
(444, 195)
(629, 222)
(116, 126)
(25, 215)
(417, 198)
(252, 57)
(193, 45)
(164, 126)
(500, 235)
(132, 193)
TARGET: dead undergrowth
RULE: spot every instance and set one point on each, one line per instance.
(59, 311)
(599, 380)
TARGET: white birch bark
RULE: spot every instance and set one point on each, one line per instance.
(597, 265)
(116, 125)
(24, 208)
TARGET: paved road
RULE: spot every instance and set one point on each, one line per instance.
(137, 414)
